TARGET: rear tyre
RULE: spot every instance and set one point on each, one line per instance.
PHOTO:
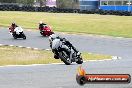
(80, 60)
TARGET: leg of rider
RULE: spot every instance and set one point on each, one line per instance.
(68, 51)
(14, 33)
(66, 48)
(78, 53)
(55, 54)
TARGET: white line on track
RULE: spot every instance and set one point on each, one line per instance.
(20, 46)
(113, 58)
(51, 63)
(11, 45)
(30, 65)
(36, 48)
(28, 47)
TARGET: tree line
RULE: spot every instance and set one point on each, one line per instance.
(60, 3)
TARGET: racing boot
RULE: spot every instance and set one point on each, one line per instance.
(56, 57)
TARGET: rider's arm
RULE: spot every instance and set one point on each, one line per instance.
(66, 41)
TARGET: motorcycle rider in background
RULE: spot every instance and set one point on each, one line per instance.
(62, 43)
(45, 29)
(12, 27)
(41, 25)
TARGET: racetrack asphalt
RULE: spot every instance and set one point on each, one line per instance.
(61, 75)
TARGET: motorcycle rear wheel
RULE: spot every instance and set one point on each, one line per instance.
(80, 61)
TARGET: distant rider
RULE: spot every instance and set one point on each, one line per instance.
(41, 25)
(12, 27)
(58, 42)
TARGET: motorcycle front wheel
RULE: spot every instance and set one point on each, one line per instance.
(15, 37)
(24, 37)
(65, 58)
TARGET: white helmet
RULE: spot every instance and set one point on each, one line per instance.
(40, 22)
(52, 37)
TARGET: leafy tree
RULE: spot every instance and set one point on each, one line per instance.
(25, 2)
(67, 3)
(42, 2)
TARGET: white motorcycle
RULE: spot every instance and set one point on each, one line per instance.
(18, 33)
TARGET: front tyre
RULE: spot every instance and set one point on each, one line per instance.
(15, 37)
(41, 33)
(65, 58)
(24, 37)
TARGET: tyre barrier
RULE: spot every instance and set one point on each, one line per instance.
(107, 12)
(62, 10)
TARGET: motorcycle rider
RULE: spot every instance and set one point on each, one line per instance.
(45, 29)
(63, 43)
(41, 25)
(12, 27)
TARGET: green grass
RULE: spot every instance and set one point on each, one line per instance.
(71, 22)
(22, 56)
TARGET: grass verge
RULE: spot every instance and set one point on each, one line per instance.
(71, 22)
(22, 56)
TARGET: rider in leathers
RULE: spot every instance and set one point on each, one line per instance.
(41, 25)
(12, 27)
(58, 42)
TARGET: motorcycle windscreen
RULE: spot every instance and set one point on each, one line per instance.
(56, 43)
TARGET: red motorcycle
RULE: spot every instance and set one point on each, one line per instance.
(46, 31)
